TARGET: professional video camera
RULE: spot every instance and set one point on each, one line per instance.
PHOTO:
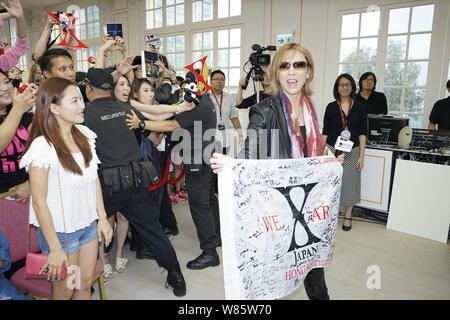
(257, 59)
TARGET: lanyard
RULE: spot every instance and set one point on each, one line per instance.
(219, 104)
(343, 117)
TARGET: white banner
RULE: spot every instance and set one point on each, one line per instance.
(278, 221)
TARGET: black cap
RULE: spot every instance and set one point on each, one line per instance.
(100, 78)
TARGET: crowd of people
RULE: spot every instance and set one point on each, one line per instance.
(82, 148)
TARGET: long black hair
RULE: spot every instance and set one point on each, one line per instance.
(364, 76)
(336, 94)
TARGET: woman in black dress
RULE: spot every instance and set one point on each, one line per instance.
(347, 118)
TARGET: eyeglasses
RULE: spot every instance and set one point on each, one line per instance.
(218, 80)
(298, 65)
(345, 85)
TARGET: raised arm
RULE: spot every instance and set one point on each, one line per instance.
(162, 108)
(157, 117)
(103, 228)
(102, 52)
(39, 190)
(41, 45)
(14, 8)
(21, 104)
(120, 46)
(12, 56)
(239, 94)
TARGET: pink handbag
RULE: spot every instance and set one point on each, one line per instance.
(33, 265)
(35, 261)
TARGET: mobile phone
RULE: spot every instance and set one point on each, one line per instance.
(114, 29)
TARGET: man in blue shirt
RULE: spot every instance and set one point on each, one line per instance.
(7, 290)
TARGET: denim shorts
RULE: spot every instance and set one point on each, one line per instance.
(70, 242)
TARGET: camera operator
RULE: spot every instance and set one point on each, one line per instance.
(259, 64)
(246, 103)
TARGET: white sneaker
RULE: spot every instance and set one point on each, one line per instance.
(121, 264)
(108, 272)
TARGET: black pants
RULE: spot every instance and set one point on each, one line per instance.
(315, 285)
(203, 204)
(142, 213)
(167, 217)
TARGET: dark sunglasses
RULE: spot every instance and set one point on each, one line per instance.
(298, 65)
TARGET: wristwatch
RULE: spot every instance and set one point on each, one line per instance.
(142, 125)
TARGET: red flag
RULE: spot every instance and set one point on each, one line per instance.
(67, 21)
(203, 86)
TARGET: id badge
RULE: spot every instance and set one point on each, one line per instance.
(345, 134)
(221, 126)
(343, 145)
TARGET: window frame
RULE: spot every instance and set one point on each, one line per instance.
(83, 62)
(189, 28)
(163, 8)
(381, 59)
(215, 50)
(358, 38)
(406, 61)
(86, 23)
(163, 50)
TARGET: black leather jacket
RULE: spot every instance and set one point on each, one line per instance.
(267, 132)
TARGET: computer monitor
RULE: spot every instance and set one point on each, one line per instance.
(385, 129)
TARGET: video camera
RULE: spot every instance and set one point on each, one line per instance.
(258, 59)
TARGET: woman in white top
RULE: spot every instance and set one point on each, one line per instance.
(65, 191)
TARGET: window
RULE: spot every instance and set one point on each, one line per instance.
(407, 54)
(88, 23)
(158, 11)
(154, 14)
(175, 53)
(203, 46)
(83, 55)
(22, 64)
(226, 55)
(210, 28)
(202, 10)
(174, 12)
(229, 8)
(359, 43)
(229, 56)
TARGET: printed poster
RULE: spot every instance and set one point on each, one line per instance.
(278, 221)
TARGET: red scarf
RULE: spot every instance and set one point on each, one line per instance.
(314, 140)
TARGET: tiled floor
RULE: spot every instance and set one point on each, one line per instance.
(411, 267)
